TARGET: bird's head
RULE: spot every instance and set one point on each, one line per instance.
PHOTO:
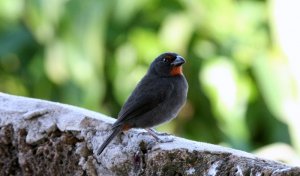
(167, 64)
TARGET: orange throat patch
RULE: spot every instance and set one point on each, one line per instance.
(176, 71)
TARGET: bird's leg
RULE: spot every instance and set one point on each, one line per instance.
(153, 133)
(159, 133)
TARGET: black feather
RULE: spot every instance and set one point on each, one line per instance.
(144, 98)
(115, 132)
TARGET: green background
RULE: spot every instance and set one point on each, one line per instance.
(241, 63)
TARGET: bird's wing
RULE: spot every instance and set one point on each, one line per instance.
(146, 96)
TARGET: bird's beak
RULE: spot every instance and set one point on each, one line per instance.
(178, 61)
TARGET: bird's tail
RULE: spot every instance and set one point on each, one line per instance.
(109, 139)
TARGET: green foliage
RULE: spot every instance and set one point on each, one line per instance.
(92, 54)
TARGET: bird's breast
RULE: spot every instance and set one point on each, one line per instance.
(173, 104)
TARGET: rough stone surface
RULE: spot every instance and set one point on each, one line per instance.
(44, 138)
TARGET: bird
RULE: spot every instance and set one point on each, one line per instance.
(157, 98)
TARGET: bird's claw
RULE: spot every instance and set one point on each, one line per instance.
(151, 130)
(162, 133)
(143, 133)
(156, 135)
(165, 140)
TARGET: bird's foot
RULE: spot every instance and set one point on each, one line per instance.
(160, 140)
(165, 140)
(157, 133)
(159, 137)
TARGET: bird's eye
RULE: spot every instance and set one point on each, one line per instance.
(168, 59)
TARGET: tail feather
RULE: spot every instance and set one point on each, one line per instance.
(108, 140)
